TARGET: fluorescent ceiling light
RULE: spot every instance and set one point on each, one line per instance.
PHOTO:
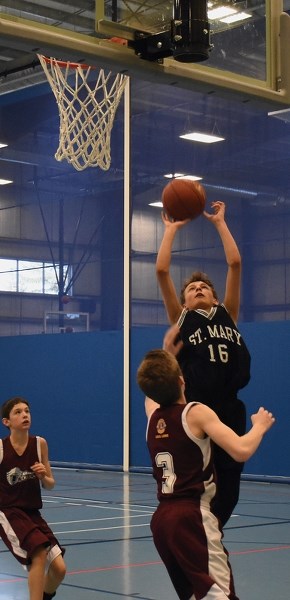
(232, 189)
(220, 12)
(173, 175)
(283, 114)
(5, 181)
(156, 204)
(182, 176)
(191, 177)
(201, 137)
(3, 145)
(240, 16)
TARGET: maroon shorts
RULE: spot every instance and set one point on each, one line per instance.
(189, 542)
(24, 531)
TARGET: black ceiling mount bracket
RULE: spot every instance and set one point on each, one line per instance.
(188, 40)
(152, 47)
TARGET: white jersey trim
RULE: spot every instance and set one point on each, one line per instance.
(12, 537)
(38, 447)
(203, 443)
(204, 313)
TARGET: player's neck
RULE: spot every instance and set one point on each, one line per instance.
(181, 400)
(19, 438)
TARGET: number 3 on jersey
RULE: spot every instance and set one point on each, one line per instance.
(165, 461)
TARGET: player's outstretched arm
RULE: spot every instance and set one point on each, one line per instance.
(170, 298)
(240, 448)
(233, 258)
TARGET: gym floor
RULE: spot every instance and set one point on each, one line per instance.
(102, 518)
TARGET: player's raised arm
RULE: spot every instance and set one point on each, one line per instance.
(233, 258)
(163, 262)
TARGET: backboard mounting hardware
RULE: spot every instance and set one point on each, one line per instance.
(188, 39)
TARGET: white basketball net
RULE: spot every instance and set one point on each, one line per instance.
(86, 111)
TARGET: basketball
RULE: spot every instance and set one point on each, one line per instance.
(183, 199)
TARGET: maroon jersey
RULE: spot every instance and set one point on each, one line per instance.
(182, 464)
(185, 531)
(19, 486)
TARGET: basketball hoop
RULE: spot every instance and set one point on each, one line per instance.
(86, 110)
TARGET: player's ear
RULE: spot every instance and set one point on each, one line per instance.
(182, 382)
(5, 422)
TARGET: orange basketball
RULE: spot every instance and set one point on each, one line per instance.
(183, 199)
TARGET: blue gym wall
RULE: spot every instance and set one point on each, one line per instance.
(74, 384)
(75, 387)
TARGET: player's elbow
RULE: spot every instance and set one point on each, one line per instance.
(162, 274)
(48, 483)
(241, 454)
(235, 262)
(161, 269)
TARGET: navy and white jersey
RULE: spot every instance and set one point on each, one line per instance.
(215, 361)
(182, 464)
(19, 486)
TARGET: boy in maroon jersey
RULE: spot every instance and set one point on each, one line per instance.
(214, 360)
(185, 531)
(24, 467)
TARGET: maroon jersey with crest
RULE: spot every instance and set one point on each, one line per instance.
(182, 464)
(19, 486)
(185, 530)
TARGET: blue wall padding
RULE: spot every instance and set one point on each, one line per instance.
(75, 386)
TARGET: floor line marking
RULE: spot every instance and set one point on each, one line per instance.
(122, 507)
(102, 529)
(143, 564)
(99, 519)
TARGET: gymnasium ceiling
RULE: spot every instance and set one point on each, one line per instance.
(252, 163)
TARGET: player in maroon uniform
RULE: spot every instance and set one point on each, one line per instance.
(186, 533)
(214, 359)
(24, 467)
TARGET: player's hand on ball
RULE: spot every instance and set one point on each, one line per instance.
(168, 221)
(218, 213)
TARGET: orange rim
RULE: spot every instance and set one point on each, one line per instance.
(64, 64)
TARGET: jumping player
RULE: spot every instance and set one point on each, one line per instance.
(185, 531)
(214, 359)
(24, 466)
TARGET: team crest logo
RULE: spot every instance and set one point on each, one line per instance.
(161, 426)
(15, 476)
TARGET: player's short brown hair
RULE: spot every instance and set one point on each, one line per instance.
(197, 276)
(158, 376)
(9, 404)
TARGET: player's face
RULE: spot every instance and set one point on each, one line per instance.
(19, 417)
(199, 294)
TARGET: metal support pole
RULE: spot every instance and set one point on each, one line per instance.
(61, 263)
